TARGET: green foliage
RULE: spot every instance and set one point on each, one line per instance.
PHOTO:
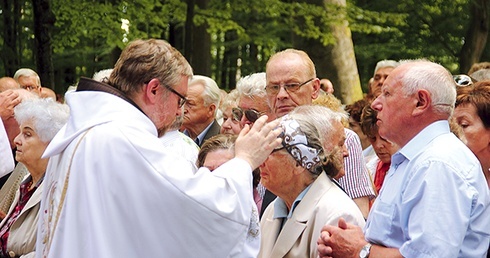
(87, 32)
(387, 29)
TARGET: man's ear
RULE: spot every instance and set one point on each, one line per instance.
(316, 88)
(424, 102)
(212, 109)
(150, 89)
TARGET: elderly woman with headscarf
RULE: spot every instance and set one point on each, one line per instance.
(39, 121)
(300, 174)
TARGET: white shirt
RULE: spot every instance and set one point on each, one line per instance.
(181, 145)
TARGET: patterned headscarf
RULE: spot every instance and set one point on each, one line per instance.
(296, 143)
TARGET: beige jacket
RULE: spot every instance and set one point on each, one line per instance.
(22, 238)
(324, 203)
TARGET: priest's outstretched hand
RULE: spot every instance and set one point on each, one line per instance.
(254, 144)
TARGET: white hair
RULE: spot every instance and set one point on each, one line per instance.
(385, 63)
(47, 116)
(27, 73)
(317, 122)
(231, 100)
(252, 85)
(437, 80)
(211, 93)
(102, 75)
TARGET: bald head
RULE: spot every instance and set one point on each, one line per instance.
(8, 83)
(48, 93)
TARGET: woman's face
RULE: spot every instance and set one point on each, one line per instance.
(277, 171)
(477, 136)
(216, 158)
(383, 148)
(230, 124)
(29, 147)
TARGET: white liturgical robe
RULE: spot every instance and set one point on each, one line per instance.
(6, 158)
(114, 190)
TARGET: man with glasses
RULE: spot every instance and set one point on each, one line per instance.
(28, 79)
(112, 189)
(291, 82)
(200, 111)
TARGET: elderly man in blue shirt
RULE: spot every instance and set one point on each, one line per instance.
(434, 201)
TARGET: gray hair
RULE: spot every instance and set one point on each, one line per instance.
(317, 122)
(385, 63)
(47, 116)
(437, 80)
(102, 75)
(211, 93)
(231, 100)
(252, 85)
(25, 94)
(27, 73)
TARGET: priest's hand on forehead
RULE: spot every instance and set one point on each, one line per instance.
(254, 144)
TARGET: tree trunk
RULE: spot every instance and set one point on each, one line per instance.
(188, 31)
(335, 62)
(230, 56)
(476, 36)
(344, 60)
(11, 14)
(43, 24)
(197, 41)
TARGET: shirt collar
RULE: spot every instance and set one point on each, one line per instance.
(280, 208)
(204, 132)
(423, 138)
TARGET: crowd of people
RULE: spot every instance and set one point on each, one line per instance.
(149, 160)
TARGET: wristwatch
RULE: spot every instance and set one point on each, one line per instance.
(365, 251)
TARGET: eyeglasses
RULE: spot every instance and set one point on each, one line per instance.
(236, 114)
(29, 87)
(462, 80)
(250, 114)
(182, 99)
(290, 87)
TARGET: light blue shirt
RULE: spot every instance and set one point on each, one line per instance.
(281, 210)
(434, 201)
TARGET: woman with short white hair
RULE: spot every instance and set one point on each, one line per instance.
(39, 120)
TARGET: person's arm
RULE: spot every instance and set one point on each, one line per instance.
(347, 240)
(6, 158)
(356, 181)
(8, 100)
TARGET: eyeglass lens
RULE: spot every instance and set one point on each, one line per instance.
(250, 114)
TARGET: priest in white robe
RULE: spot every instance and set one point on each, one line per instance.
(114, 190)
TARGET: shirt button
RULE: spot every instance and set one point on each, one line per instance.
(12, 254)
